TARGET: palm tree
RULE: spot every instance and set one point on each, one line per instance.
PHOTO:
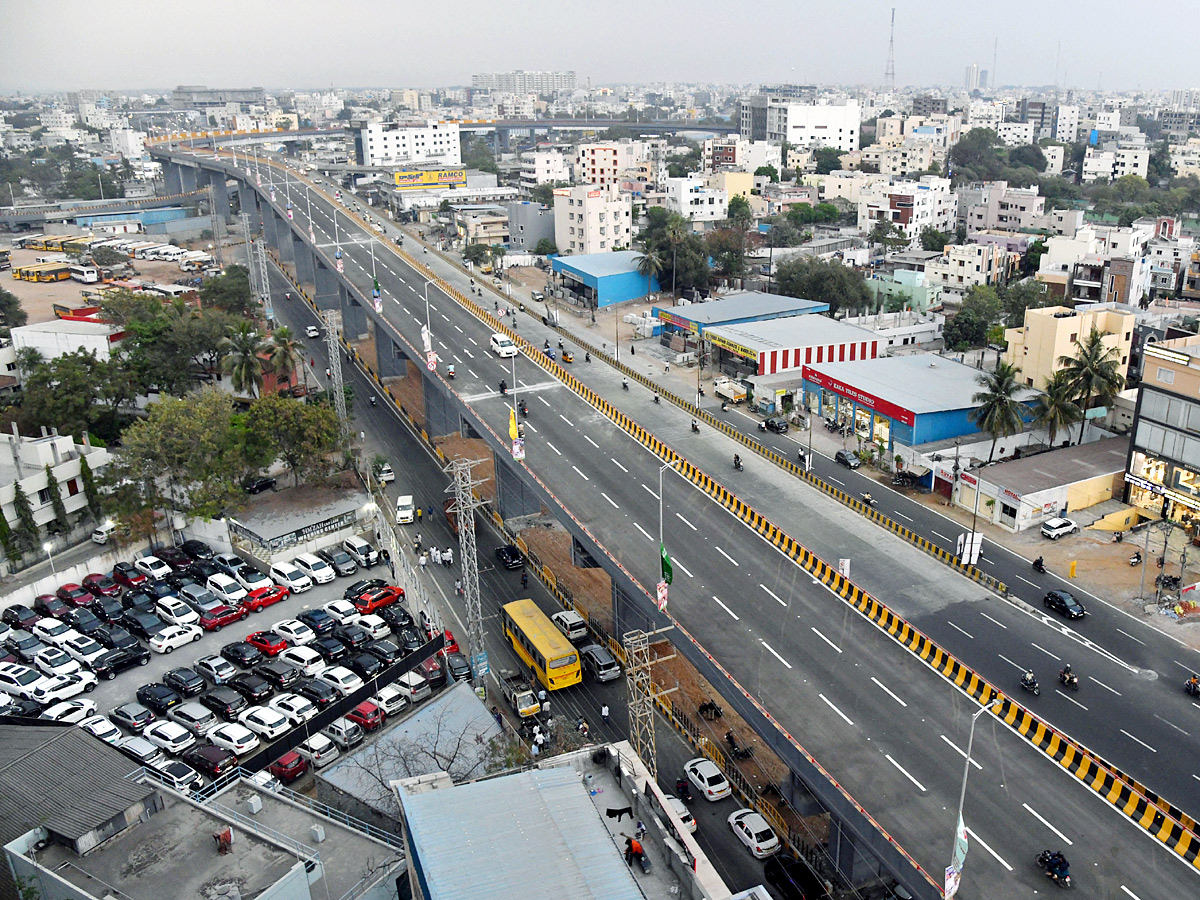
(243, 362)
(1094, 372)
(649, 266)
(999, 412)
(677, 232)
(287, 353)
(1057, 407)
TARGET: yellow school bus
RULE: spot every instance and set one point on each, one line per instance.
(540, 645)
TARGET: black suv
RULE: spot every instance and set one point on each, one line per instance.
(330, 648)
(396, 616)
(318, 620)
(111, 663)
(359, 588)
(352, 636)
(278, 674)
(776, 424)
(1064, 602)
(365, 665)
(225, 702)
(197, 549)
(318, 692)
(384, 650)
(115, 637)
(142, 624)
(157, 697)
(253, 687)
(242, 655)
(185, 681)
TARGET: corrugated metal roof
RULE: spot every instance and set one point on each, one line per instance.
(598, 265)
(62, 778)
(792, 331)
(745, 305)
(534, 835)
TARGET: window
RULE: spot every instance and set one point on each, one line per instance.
(1164, 375)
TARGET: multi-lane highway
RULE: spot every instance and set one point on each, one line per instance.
(888, 728)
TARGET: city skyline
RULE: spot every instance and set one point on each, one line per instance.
(225, 44)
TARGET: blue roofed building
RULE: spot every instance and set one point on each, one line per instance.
(596, 280)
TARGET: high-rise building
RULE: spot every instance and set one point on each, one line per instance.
(807, 125)
(592, 219)
(972, 77)
(398, 143)
(193, 96)
(928, 105)
(522, 82)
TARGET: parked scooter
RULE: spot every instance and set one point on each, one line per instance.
(683, 790)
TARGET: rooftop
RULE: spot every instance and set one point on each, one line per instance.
(923, 383)
(743, 305)
(1062, 466)
(68, 326)
(791, 331)
(274, 514)
(598, 265)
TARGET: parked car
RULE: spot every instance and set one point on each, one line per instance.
(365, 665)
(847, 459)
(184, 681)
(315, 568)
(457, 666)
(171, 737)
(99, 585)
(1057, 527)
(174, 557)
(360, 551)
(83, 649)
(396, 616)
(321, 693)
(295, 632)
(101, 727)
(55, 661)
(318, 620)
(753, 831)
(142, 624)
(226, 589)
(74, 595)
(200, 598)
(25, 646)
(18, 616)
(225, 702)
(707, 779)
(107, 609)
(290, 577)
(367, 715)
(157, 697)
(82, 621)
(360, 587)
(598, 663)
(339, 560)
(290, 766)
(378, 599)
(64, 687)
(213, 761)
(268, 724)
(242, 654)
(219, 616)
(390, 699)
(352, 636)
(195, 717)
(197, 549)
(52, 631)
(432, 671)
(254, 688)
(268, 642)
(256, 484)
(111, 663)
(410, 639)
(344, 733)
(174, 611)
(331, 649)
(201, 570)
(133, 716)
(127, 576)
(386, 651)
(296, 708)
(251, 579)
(344, 612)
(50, 605)
(179, 775)
(152, 567)
(115, 636)
(226, 563)
(215, 669)
(319, 751)
(144, 752)
(69, 712)
(260, 598)
(139, 599)
(278, 674)
(341, 679)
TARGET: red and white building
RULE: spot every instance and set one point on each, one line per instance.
(781, 345)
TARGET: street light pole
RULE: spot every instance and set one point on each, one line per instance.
(662, 469)
(47, 547)
(962, 794)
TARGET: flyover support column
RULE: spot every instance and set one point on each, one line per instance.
(283, 234)
(173, 178)
(220, 195)
(513, 499)
(187, 177)
(304, 260)
(354, 317)
(248, 201)
(270, 226)
(391, 361)
(325, 287)
(441, 410)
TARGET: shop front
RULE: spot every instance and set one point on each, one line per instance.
(1163, 488)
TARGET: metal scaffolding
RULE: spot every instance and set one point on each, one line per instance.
(465, 502)
(332, 321)
(640, 701)
(217, 221)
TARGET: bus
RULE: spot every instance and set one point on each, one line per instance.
(77, 246)
(48, 242)
(55, 271)
(540, 645)
(84, 274)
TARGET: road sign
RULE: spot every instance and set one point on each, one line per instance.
(431, 358)
(479, 664)
(662, 595)
(844, 567)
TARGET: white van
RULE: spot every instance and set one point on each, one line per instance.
(405, 510)
(413, 686)
(571, 624)
(103, 533)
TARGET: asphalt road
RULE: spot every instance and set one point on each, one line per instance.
(891, 711)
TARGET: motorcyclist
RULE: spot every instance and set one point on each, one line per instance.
(624, 382)
(1057, 866)
(503, 386)
(1193, 684)
(372, 399)
(1039, 564)
(1066, 676)
(1028, 678)
(868, 499)
(737, 461)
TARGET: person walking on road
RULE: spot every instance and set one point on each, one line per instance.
(524, 579)
(420, 512)
(458, 586)
(448, 557)
(604, 713)
(423, 561)
(436, 555)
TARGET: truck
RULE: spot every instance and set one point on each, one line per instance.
(728, 389)
(518, 694)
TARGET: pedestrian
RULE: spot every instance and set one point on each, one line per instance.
(420, 512)
(422, 561)
(312, 363)
(542, 695)
(604, 713)
(458, 586)
(540, 738)
(496, 715)
(524, 579)
(546, 709)
(632, 350)
(436, 555)
(448, 557)
(534, 749)
(417, 543)
(666, 368)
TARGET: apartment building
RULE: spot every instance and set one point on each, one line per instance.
(964, 266)
(522, 82)
(734, 152)
(808, 125)
(1185, 159)
(1051, 332)
(847, 184)
(994, 204)
(545, 165)
(910, 158)
(398, 143)
(592, 218)
(928, 105)
(1016, 134)
(912, 205)
(1113, 162)
(693, 199)
(1066, 124)
(603, 163)
(58, 119)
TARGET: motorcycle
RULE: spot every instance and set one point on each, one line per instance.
(656, 399)
(683, 790)
(503, 389)
(737, 463)
(695, 427)
(372, 399)
(1167, 582)
(523, 408)
(724, 406)
(1136, 559)
(1039, 566)
(738, 751)
(624, 384)
(1059, 875)
(1192, 688)
(869, 500)
(1069, 679)
(1030, 683)
(450, 371)
(710, 710)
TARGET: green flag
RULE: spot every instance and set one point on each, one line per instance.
(667, 572)
(376, 287)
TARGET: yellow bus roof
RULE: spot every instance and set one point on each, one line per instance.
(542, 633)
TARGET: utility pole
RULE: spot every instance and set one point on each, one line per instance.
(640, 702)
(466, 501)
(215, 222)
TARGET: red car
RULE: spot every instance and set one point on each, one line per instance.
(378, 599)
(268, 642)
(289, 767)
(219, 616)
(451, 644)
(102, 585)
(260, 598)
(127, 576)
(74, 594)
(368, 715)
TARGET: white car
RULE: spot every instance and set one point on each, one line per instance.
(103, 728)
(754, 832)
(306, 659)
(290, 577)
(294, 632)
(267, 723)
(70, 712)
(175, 636)
(319, 750)
(20, 681)
(176, 612)
(312, 331)
(83, 649)
(170, 736)
(64, 687)
(315, 568)
(685, 815)
(1057, 527)
(52, 631)
(707, 779)
(345, 612)
(340, 679)
(53, 661)
(297, 709)
(152, 567)
(252, 579)
(225, 589)
(390, 700)
(234, 737)
(502, 346)
(374, 626)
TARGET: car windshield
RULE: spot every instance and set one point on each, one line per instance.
(568, 660)
(715, 779)
(763, 837)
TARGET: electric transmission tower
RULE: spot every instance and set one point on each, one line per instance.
(264, 282)
(331, 318)
(465, 503)
(217, 221)
(889, 72)
(640, 702)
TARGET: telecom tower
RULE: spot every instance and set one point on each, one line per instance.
(464, 505)
(640, 688)
(889, 73)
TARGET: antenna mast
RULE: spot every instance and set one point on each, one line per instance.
(889, 73)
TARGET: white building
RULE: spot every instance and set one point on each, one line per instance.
(603, 163)
(701, 205)
(994, 204)
(1066, 124)
(734, 152)
(985, 114)
(58, 119)
(963, 266)
(592, 219)
(59, 337)
(545, 165)
(1114, 162)
(845, 184)
(397, 143)
(805, 125)
(910, 158)
(522, 82)
(1185, 159)
(1054, 159)
(1131, 161)
(912, 205)
(127, 142)
(1015, 134)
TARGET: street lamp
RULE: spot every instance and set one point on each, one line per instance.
(48, 547)
(967, 771)
(662, 469)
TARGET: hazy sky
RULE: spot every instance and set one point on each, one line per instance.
(125, 45)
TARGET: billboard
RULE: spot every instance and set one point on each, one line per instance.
(424, 179)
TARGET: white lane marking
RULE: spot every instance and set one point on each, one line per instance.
(544, 400)
(961, 752)
(1139, 740)
(835, 481)
(443, 346)
(1182, 666)
(1131, 637)
(472, 373)
(531, 428)
(904, 772)
(682, 566)
(459, 330)
(552, 447)
(1103, 685)
(829, 703)
(942, 536)
(590, 441)
(771, 650)
(883, 687)
(472, 340)
(618, 465)
(1027, 581)
(1065, 697)
(650, 492)
(826, 640)
(902, 516)
(570, 424)
(982, 843)
(1033, 812)
(1131, 893)
(727, 556)
(773, 594)
(726, 608)
(685, 522)
(1010, 662)
(642, 530)
(990, 619)
(1047, 652)
(956, 628)
(470, 355)
(1171, 724)
(581, 475)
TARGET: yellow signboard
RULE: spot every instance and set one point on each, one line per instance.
(732, 346)
(418, 179)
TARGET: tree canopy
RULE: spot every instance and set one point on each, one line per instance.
(822, 280)
(230, 292)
